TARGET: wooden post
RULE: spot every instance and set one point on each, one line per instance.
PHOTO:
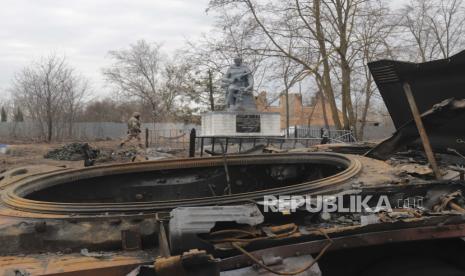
(146, 138)
(192, 138)
(201, 146)
(421, 130)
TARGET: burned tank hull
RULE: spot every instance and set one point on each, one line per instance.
(71, 209)
(134, 213)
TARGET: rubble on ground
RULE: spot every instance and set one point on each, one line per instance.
(155, 154)
(72, 152)
(131, 154)
(120, 155)
(77, 152)
(169, 150)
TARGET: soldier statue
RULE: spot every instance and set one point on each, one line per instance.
(238, 83)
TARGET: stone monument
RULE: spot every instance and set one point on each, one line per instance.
(241, 117)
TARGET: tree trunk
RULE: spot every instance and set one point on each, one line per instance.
(363, 120)
(323, 106)
(49, 128)
(348, 115)
(210, 89)
(49, 109)
(326, 81)
(287, 111)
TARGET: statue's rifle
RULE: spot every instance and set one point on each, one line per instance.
(238, 78)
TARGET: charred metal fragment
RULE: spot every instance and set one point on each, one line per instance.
(131, 239)
(434, 119)
(283, 264)
(187, 222)
(431, 83)
(192, 263)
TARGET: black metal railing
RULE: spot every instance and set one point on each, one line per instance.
(191, 142)
(175, 139)
(239, 145)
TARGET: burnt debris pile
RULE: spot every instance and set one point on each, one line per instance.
(73, 152)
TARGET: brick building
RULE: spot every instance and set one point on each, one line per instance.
(299, 114)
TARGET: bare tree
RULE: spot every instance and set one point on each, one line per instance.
(448, 26)
(207, 62)
(322, 25)
(233, 35)
(18, 115)
(113, 110)
(137, 72)
(416, 17)
(179, 84)
(373, 32)
(49, 89)
(3, 115)
(434, 27)
(329, 44)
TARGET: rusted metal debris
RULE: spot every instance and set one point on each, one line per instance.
(447, 201)
(345, 230)
(282, 242)
(437, 117)
(206, 216)
(74, 264)
(192, 263)
(131, 239)
(349, 241)
(431, 83)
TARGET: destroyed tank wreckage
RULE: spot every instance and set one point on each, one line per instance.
(207, 216)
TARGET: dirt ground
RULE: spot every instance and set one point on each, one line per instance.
(24, 154)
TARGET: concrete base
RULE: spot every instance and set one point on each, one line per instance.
(243, 124)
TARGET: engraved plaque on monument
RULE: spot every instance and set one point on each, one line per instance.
(248, 123)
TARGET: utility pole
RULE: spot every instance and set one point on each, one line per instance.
(210, 89)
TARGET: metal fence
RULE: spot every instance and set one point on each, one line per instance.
(299, 137)
(334, 135)
(87, 131)
(169, 139)
(179, 139)
(235, 145)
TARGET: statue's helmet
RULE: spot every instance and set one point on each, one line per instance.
(238, 61)
(136, 115)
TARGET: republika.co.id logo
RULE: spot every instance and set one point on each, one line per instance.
(340, 203)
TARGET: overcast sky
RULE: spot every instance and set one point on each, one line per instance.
(85, 30)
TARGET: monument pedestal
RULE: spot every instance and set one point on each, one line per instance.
(241, 124)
